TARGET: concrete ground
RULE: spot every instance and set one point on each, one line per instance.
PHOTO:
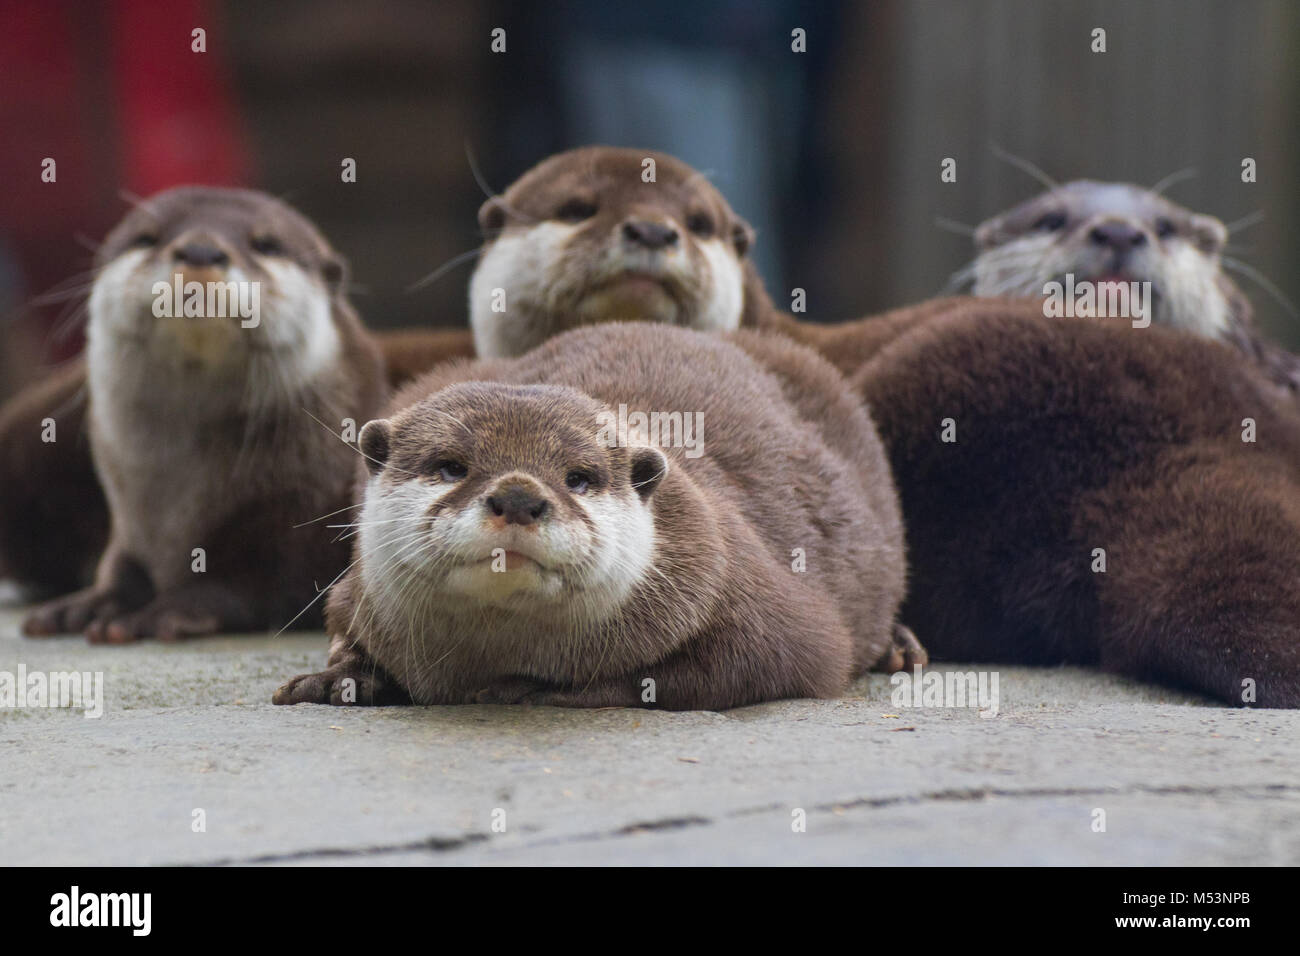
(190, 727)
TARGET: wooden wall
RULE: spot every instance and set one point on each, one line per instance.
(1199, 83)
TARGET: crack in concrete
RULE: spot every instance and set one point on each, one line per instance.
(671, 823)
(984, 793)
(432, 844)
(452, 844)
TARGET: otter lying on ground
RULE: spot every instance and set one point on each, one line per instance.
(520, 541)
(1076, 492)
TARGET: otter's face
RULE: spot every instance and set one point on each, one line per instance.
(205, 280)
(1112, 232)
(504, 496)
(583, 239)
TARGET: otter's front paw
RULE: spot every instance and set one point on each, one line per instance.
(341, 685)
(165, 618)
(81, 611)
(904, 652)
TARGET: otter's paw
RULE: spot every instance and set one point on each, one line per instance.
(904, 652)
(165, 618)
(342, 686)
(75, 612)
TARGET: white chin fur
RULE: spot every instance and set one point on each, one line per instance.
(722, 307)
(518, 264)
(406, 558)
(1190, 299)
(526, 264)
(294, 317)
(119, 301)
(298, 322)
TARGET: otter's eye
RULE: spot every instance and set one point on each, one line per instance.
(266, 246)
(700, 224)
(1051, 222)
(576, 210)
(1164, 228)
(451, 470)
(578, 482)
(146, 240)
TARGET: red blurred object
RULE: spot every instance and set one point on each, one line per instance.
(176, 112)
(115, 94)
(43, 114)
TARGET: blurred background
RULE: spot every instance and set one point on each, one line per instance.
(833, 154)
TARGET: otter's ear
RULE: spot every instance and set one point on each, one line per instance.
(334, 270)
(373, 442)
(649, 465)
(492, 217)
(1209, 234)
(742, 236)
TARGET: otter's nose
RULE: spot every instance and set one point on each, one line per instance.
(517, 506)
(198, 253)
(652, 235)
(1119, 236)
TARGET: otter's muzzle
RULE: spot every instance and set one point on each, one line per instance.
(517, 503)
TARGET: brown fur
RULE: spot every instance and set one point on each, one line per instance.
(264, 469)
(790, 461)
(53, 517)
(409, 353)
(1077, 434)
(1071, 436)
(848, 345)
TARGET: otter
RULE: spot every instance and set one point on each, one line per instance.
(1122, 498)
(1105, 232)
(584, 238)
(526, 539)
(53, 514)
(200, 417)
